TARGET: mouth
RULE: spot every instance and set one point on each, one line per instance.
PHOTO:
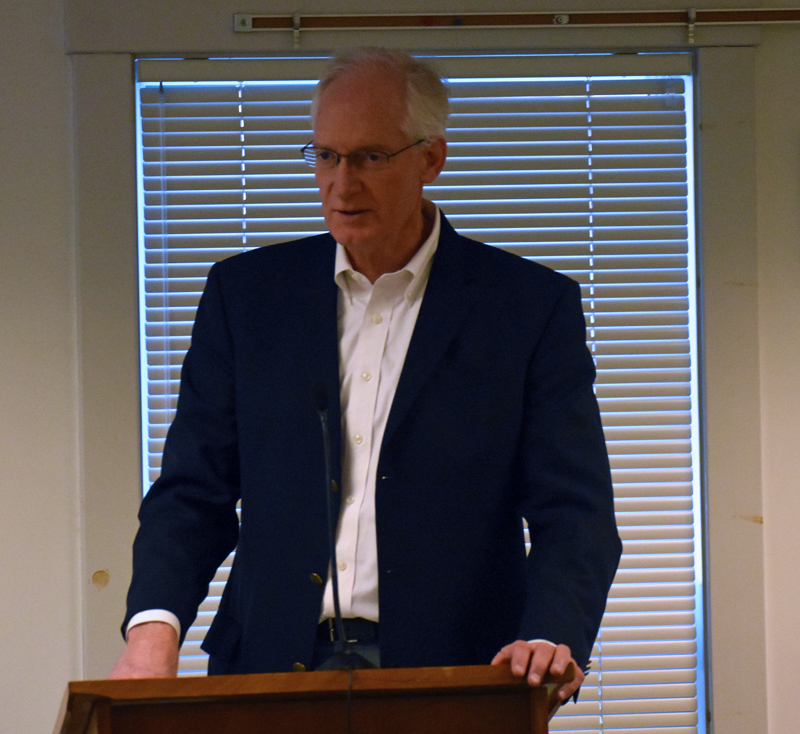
(351, 212)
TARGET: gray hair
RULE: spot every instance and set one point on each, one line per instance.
(426, 95)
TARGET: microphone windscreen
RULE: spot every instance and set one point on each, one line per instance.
(319, 398)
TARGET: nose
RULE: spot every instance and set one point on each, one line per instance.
(346, 177)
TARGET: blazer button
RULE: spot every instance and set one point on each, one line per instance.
(334, 486)
(316, 579)
(298, 668)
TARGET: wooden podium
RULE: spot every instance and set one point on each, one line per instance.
(462, 700)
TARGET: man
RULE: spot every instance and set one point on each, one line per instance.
(465, 403)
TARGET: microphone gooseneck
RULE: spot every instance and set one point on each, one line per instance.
(344, 658)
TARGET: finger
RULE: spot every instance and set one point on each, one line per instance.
(540, 662)
(521, 654)
(502, 657)
(567, 690)
(562, 657)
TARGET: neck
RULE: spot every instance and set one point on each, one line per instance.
(381, 260)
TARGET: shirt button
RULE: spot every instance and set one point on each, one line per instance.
(358, 438)
(377, 318)
(350, 500)
(366, 376)
(342, 566)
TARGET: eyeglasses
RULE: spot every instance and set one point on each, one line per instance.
(363, 160)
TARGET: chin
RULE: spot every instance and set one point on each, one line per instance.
(351, 237)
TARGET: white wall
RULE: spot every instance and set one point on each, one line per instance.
(42, 442)
(778, 126)
(40, 588)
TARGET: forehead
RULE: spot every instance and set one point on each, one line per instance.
(361, 109)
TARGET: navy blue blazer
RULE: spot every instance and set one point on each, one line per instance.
(494, 419)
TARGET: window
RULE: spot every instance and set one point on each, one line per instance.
(583, 163)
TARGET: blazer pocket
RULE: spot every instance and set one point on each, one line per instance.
(475, 385)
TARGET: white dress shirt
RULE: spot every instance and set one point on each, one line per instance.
(375, 324)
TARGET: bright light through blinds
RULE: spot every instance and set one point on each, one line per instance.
(590, 175)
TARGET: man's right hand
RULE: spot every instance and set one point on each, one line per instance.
(151, 652)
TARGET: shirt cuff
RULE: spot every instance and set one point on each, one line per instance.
(155, 615)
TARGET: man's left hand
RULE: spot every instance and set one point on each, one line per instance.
(534, 659)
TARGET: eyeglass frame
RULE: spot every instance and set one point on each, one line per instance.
(311, 158)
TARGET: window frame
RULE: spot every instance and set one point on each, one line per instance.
(729, 336)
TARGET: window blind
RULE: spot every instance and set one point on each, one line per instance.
(583, 163)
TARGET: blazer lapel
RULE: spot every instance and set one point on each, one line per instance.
(445, 305)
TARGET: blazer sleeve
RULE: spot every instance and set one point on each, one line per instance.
(566, 491)
(188, 520)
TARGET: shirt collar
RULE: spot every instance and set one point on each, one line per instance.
(418, 268)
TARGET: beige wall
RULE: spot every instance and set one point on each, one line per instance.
(40, 588)
(778, 277)
(66, 501)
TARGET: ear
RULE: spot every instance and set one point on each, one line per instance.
(435, 156)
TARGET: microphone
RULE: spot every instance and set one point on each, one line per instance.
(344, 658)
(319, 398)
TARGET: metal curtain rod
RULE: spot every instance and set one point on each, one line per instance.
(247, 23)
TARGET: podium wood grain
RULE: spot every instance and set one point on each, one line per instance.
(460, 700)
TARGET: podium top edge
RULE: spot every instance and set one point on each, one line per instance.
(383, 680)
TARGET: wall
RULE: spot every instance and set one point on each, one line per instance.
(729, 336)
(778, 126)
(47, 441)
(39, 529)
